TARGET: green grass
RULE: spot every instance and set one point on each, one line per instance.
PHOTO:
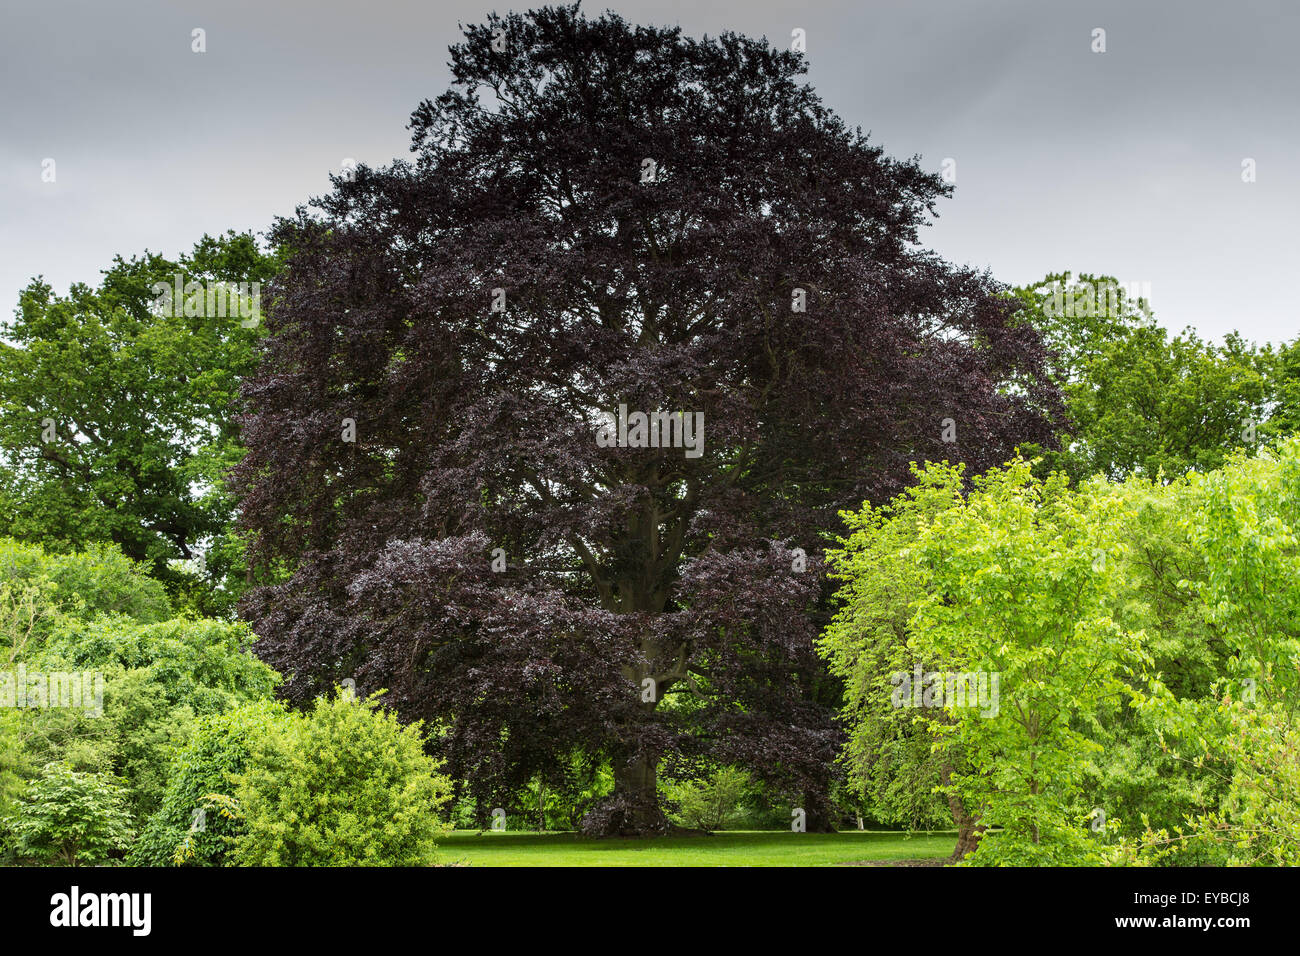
(734, 848)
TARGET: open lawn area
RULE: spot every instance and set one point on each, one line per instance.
(736, 848)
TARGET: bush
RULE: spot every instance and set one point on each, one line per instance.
(1258, 821)
(206, 665)
(1260, 818)
(99, 580)
(157, 679)
(713, 803)
(216, 753)
(74, 818)
(345, 785)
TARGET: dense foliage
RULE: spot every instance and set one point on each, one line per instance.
(186, 828)
(602, 216)
(1144, 645)
(342, 785)
(117, 411)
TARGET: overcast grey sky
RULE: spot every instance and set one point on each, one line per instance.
(1127, 162)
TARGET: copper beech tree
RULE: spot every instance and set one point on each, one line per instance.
(551, 418)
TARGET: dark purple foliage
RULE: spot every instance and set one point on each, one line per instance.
(475, 429)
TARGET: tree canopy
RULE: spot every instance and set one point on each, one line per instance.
(1143, 401)
(603, 221)
(117, 408)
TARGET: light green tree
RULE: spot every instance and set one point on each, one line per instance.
(1022, 571)
(890, 755)
(74, 818)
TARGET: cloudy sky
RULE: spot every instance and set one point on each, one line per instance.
(1127, 162)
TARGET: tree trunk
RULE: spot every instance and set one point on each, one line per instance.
(637, 778)
(818, 813)
(633, 808)
(635, 803)
(968, 837)
(969, 829)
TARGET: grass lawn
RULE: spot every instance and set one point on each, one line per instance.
(733, 848)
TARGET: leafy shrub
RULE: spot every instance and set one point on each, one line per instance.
(714, 803)
(74, 818)
(98, 580)
(216, 753)
(157, 678)
(345, 785)
(207, 665)
(1259, 822)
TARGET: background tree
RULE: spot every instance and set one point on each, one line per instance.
(1285, 418)
(664, 223)
(713, 803)
(116, 410)
(1140, 400)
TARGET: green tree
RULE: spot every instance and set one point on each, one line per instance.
(1144, 635)
(1022, 574)
(1247, 526)
(977, 644)
(1285, 419)
(75, 818)
(1136, 780)
(117, 409)
(186, 829)
(1243, 731)
(204, 664)
(1140, 401)
(889, 754)
(97, 613)
(1259, 819)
